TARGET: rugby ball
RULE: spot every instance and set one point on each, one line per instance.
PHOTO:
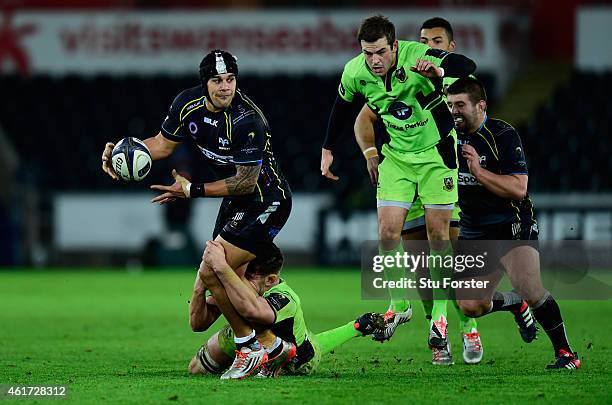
(131, 159)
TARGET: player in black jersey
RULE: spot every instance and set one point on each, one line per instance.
(495, 205)
(234, 137)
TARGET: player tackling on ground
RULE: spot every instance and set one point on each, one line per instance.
(234, 138)
(267, 302)
(495, 206)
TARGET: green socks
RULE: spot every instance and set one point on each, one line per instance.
(398, 303)
(333, 338)
(440, 268)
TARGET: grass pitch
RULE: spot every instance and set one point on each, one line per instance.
(113, 336)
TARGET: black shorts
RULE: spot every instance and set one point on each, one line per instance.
(496, 240)
(517, 230)
(251, 225)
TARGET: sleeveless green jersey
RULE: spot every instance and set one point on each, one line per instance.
(413, 111)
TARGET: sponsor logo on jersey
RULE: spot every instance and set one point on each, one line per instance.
(448, 184)
(211, 122)
(401, 74)
(193, 128)
(467, 179)
(400, 110)
(191, 106)
(408, 126)
(277, 301)
(223, 143)
(483, 161)
(251, 135)
(341, 89)
(222, 159)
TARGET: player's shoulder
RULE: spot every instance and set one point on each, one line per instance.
(500, 128)
(245, 111)
(405, 47)
(355, 67)
(407, 51)
(189, 99)
(282, 291)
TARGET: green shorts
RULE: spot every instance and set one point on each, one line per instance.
(416, 216)
(430, 175)
(228, 346)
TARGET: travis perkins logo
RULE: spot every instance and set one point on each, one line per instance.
(448, 183)
(400, 110)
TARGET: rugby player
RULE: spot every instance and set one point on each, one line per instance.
(266, 301)
(397, 79)
(495, 206)
(234, 137)
(436, 33)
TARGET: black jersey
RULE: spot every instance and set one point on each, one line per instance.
(501, 152)
(238, 135)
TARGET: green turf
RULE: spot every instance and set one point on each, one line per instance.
(121, 337)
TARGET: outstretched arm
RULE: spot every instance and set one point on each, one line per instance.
(243, 182)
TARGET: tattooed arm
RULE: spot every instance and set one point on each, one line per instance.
(248, 144)
(243, 182)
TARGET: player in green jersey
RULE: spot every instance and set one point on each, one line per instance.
(437, 33)
(397, 80)
(267, 302)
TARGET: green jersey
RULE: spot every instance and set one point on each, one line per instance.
(289, 324)
(413, 111)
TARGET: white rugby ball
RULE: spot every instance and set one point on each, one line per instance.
(131, 159)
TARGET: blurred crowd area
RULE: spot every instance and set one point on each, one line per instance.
(53, 127)
(58, 126)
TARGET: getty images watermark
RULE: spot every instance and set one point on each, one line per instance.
(579, 270)
(384, 264)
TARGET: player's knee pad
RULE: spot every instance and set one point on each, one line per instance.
(207, 363)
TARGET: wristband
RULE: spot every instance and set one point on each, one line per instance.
(370, 152)
(197, 190)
